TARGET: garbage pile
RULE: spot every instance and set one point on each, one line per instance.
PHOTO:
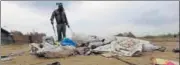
(92, 45)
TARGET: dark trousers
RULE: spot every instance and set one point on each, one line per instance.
(61, 31)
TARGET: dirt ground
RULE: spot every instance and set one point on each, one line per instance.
(27, 59)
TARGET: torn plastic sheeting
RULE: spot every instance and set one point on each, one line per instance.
(80, 38)
(147, 47)
(123, 47)
(97, 44)
(68, 42)
(105, 48)
(60, 52)
(49, 48)
(109, 39)
(82, 50)
(129, 46)
(55, 51)
(48, 39)
(35, 48)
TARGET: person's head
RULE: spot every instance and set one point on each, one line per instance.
(60, 6)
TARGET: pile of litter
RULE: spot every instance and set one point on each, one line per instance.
(92, 45)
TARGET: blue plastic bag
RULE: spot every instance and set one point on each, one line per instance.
(68, 42)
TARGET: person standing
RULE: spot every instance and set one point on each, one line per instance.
(61, 20)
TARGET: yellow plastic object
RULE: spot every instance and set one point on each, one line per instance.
(56, 43)
(162, 61)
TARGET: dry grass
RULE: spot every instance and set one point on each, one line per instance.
(27, 59)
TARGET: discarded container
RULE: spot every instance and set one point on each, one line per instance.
(68, 42)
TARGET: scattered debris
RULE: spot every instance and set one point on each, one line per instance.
(176, 50)
(6, 58)
(55, 63)
(82, 50)
(91, 44)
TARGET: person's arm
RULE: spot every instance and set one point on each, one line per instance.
(66, 21)
(52, 17)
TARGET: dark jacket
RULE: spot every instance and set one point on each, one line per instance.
(59, 16)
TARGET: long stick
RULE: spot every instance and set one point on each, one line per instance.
(54, 30)
(71, 31)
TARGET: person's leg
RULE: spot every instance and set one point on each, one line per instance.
(59, 26)
(64, 30)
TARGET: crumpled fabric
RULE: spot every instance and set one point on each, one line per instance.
(148, 47)
(108, 39)
(123, 46)
(35, 47)
(59, 53)
(82, 50)
(52, 51)
(48, 39)
(85, 39)
(96, 44)
(87, 44)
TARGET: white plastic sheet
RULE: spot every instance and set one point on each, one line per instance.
(82, 38)
(95, 44)
(124, 46)
(52, 51)
(48, 39)
(121, 46)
